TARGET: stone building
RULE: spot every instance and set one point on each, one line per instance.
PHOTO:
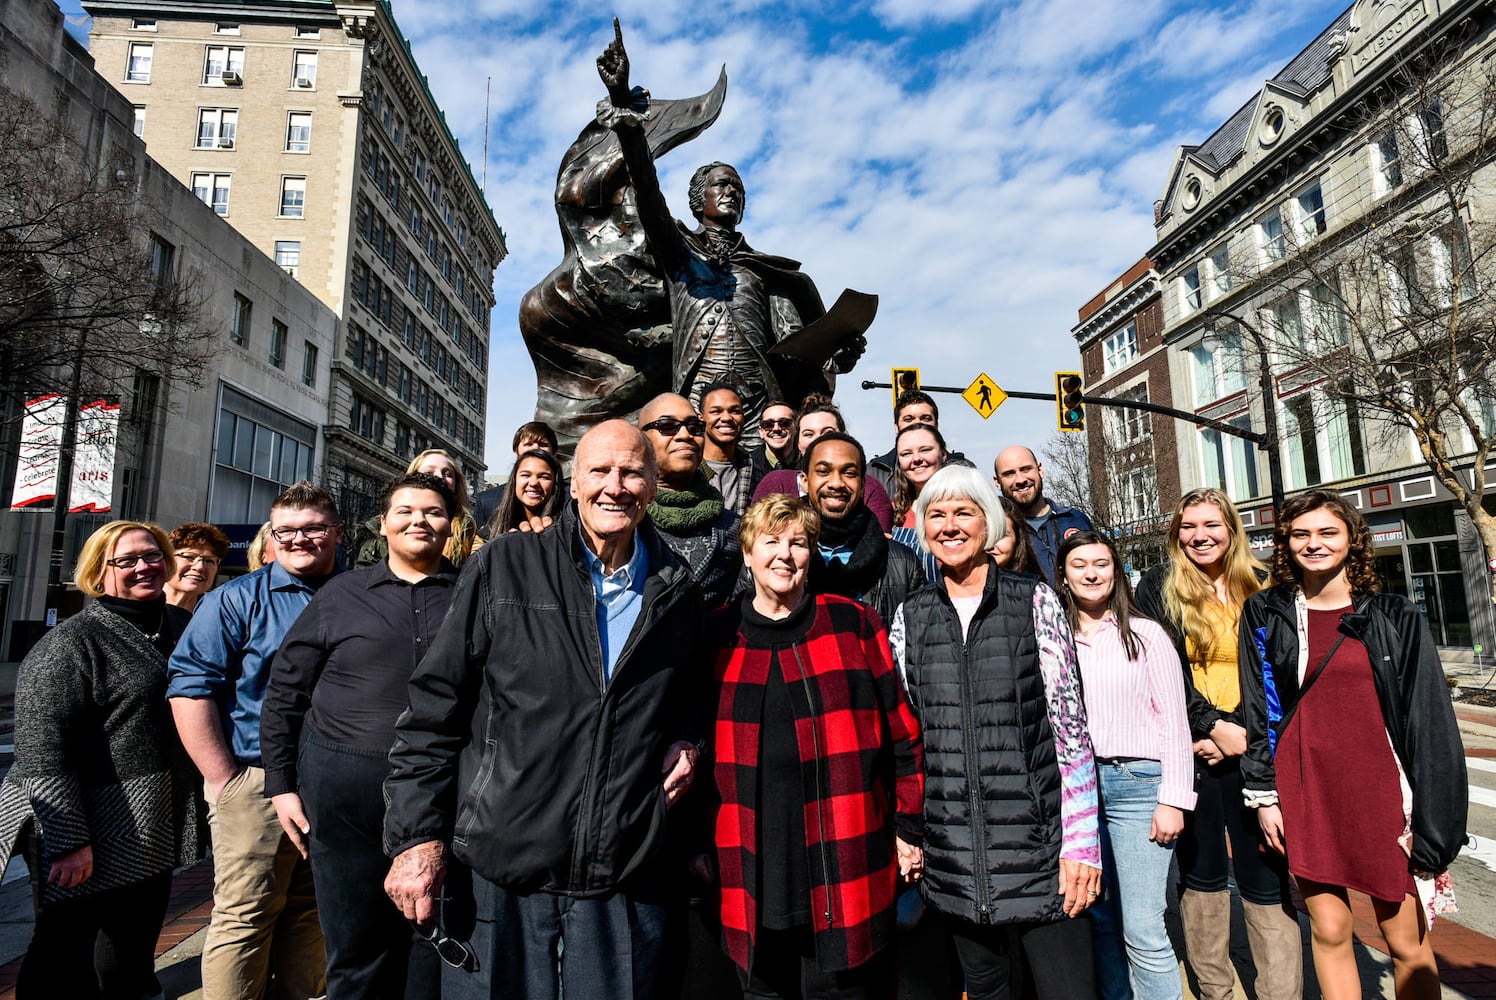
(218, 451)
(1254, 236)
(308, 126)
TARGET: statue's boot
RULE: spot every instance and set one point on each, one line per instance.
(1277, 950)
(1207, 941)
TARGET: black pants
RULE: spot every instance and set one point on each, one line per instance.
(1219, 814)
(371, 950)
(1058, 953)
(784, 968)
(100, 945)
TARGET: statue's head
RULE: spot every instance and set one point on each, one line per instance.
(716, 193)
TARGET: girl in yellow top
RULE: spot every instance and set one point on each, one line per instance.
(1198, 596)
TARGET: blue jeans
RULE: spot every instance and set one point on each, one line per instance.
(1133, 953)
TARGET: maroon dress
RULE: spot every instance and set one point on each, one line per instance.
(1337, 776)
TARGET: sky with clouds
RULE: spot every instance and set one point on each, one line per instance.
(984, 166)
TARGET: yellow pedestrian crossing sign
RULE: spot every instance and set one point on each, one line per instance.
(984, 395)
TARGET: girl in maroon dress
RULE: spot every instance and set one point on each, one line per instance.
(1354, 761)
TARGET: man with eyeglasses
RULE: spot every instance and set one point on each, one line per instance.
(688, 511)
(264, 917)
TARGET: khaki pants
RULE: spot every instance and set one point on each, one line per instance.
(264, 907)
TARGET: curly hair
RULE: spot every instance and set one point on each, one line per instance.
(1360, 558)
(773, 514)
(200, 535)
(696, 190)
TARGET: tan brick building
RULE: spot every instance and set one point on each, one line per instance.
(308, 126)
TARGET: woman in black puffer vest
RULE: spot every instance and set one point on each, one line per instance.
(1012, 850)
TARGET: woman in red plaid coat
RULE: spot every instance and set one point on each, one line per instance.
(818, 766)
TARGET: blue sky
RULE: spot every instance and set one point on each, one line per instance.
(984, 167)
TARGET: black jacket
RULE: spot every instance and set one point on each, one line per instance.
(1201, 713)
(880, 574)
(993, 828)
(1411, 688)
(514, 751)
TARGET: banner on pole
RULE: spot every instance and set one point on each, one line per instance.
(93, 457)
(41, 440)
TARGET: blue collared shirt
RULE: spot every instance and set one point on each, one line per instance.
(836, 553)
(226, 652)
(620, 597)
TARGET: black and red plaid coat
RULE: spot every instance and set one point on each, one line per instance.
(865, 745)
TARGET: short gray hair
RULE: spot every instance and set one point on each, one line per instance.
(961, 482)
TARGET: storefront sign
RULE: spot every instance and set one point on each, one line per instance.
(1390, 535)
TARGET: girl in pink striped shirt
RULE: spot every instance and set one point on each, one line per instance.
(1134, 693)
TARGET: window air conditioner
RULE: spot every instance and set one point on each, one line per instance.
(225, 142)
(304, 81)
(230, 78)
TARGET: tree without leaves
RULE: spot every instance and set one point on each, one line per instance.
(79, 275)
(1075, 478)
(1392, 312)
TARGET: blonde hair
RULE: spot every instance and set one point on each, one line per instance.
(1189, 592)
(88, 573)
(773, 514)
(254, 555)
(464, 528)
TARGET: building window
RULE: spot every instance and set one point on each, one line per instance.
(309, 366)
(1126, 426)
(1322, 438)
(138, 66)
(138, 125)
(213, 190)
(1452, 265)
(239, 323)
(293, 197)
(1135, 495)
(1429, 122)
(1220, 374)
(1230, 462)
(278, 333)
(1387, 162)
(288, 256)
(1190, 288)
(1121, 348)
(217, 128)
(260, 451)
(221, 59)
(299, 132)
(308, 31)
(163, 261)
(1311, 205)
(143, 24)
(1220, 271)
(1274, 240)
(304, 69)
(366, 420)
(226, 28)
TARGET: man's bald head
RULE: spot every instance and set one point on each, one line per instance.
(1019, 474)
(613, 481)
(676, 435)
(666, 404)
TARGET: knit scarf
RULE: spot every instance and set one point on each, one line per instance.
(678, 512)
(864, 569)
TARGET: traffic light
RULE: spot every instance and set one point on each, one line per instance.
(1067, 393)
(904, 380)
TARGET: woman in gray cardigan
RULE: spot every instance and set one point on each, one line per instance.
(101, 798)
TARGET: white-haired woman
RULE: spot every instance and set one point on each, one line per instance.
(1012, 850)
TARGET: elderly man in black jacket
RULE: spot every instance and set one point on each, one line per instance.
(853, 558)
(549, 728)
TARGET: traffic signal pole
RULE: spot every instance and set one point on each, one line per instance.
(1258, 438)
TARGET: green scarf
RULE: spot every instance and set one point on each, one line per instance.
(678, 512)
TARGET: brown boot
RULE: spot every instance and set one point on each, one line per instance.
(1277, 950)
(1206, 917)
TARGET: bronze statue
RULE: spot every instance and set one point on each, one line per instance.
(643, 305)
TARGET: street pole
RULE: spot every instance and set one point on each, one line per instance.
(1268, 389)
(55, 589)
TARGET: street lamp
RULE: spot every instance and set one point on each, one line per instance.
(1212, 342)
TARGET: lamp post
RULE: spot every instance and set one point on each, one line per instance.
(1212, 342)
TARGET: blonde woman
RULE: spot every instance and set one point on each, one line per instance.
(1198, 595)
(369, 546)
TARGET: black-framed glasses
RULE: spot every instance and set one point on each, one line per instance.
(777, 424)
(670, 426)
(311, 532)
(457, 954)
(153, 558)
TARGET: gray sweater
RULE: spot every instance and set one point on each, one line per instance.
(97, 759)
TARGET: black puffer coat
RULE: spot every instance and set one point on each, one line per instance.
(992, 781)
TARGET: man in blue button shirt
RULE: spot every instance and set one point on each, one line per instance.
(263, 902)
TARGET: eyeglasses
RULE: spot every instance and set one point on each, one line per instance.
(670, 426)
(312, 533)
(781, 424)
(208, 561)
(154, 558)
(457, 954)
